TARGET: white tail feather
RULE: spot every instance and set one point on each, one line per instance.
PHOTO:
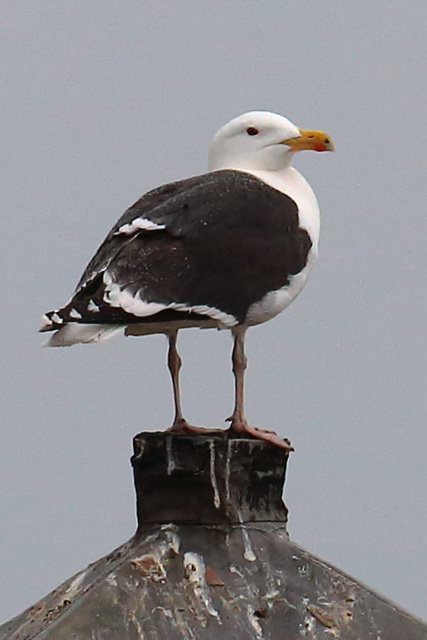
(75, 333)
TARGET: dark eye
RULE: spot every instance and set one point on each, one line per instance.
(251, 131)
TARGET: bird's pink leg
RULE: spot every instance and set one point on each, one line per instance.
(180, 424)
(239, 424)
(239, 361)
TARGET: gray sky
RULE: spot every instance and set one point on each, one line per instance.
(104, 100)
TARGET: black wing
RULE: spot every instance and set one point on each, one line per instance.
(219, 241)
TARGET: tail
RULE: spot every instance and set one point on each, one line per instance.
(69, 333)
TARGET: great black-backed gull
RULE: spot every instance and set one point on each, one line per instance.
(228, 249)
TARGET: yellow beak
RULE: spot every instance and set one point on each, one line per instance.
(315, 140)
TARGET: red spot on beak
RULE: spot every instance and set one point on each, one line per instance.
(319, 146)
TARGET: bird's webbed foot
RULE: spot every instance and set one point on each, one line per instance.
(240, 427)
(180, 426)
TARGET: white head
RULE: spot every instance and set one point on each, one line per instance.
(262, 141)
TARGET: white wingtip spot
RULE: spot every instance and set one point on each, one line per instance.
(92, 307)
(56, 319)
(75, 314)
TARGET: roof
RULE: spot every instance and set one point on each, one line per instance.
(211, 558)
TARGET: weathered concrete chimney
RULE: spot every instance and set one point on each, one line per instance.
(211, 558)
(207, 480)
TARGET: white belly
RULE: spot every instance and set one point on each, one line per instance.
(275, 301)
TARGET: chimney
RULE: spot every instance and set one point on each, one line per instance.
(211, 559)
(207, 480)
